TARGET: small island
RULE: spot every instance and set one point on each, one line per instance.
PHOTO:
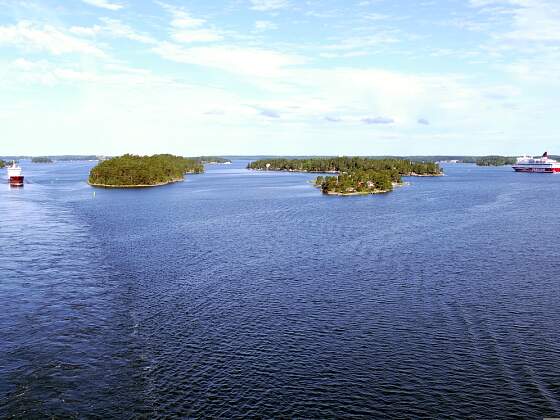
(354, 175)
(2, 164)
(131, 171)
(41, 159)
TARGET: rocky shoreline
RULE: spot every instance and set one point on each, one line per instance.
(160, 184)
(372, 192)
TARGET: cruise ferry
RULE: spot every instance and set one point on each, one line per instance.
(537, 164)
(15, 175)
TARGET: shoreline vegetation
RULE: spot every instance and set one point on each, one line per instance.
(495, 161)
(352, 175)
(368, 192)
(131, 171)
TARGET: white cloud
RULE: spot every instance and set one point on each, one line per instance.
(106, 75)
(85, 30)
(366, 3)
(48, 38)
(113, 28)
(527, 39)
(376, 16)
(531, 20)
(361, 43)
(268, 5)
(197, 35)
(45, 73)
(538, 21)
(181, 18)
(265, 25)
(241, 60)
(104, 4)
(188, 29)
(184, 20)
(543, 70)
(118, 29)
(358, 96)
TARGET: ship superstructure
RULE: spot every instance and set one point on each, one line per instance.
(541, 164)
(15, 175)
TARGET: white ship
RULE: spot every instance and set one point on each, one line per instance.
(15, 176)
(543, 164)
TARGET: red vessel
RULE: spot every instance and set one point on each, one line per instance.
(15, 175)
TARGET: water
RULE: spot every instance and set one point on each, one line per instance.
(250, 294)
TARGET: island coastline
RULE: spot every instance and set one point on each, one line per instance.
(357, 193)
(139, 186)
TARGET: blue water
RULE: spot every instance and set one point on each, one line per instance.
(250, 294)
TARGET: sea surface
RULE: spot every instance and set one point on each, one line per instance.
(250, 294)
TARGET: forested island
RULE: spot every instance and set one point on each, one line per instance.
(131, 171)
(354, 175)
(41, 159)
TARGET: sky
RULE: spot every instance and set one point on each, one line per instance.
(281, 77)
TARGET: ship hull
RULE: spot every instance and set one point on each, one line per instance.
(537, 170)
(16, 181)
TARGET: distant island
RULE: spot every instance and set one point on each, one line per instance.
(213, 160)
(354, 175)
(72, 158)
(2, 164)
(131, 171)
(41, 159)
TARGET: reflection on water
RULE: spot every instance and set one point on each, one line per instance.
(238, 293)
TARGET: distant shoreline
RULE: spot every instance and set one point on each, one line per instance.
(413, 174)
(293, 170)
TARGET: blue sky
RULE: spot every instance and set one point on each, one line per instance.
(347, 77)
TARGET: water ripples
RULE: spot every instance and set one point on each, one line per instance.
(241, 294)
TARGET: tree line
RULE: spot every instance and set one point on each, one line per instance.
(495, 161)
(212, 159)
(347, 164)
(41, 159)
